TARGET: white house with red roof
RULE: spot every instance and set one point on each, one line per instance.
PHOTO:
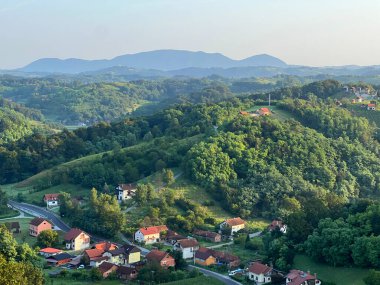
(125, 191)
(51, 200)
(235, 224)
(150, 235)
(188, 247)
(260, 273)
(49, 251)
(298, 277)
(278, 224)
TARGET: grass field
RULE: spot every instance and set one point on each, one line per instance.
(23, 236)
(36, 197)
(276, 112)
(372, 116)
(338, 275)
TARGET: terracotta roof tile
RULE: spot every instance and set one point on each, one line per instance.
(37, 221)
(259, 268)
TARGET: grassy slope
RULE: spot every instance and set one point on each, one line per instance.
(338, 275)
(372, 116)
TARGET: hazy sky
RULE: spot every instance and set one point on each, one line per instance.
(309, 32)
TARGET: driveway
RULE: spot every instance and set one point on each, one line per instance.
(225, 279)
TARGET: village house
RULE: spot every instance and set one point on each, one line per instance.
(230, 260)
(235, 224)
(105, 245)
(59, 259)
(126, 273)
(172, 237)
(204, 257)
(210, 236)
(49, 251)
(76, 239)
(150, 235)
(37, 225)
(188, 247)
(298, 277)
(164, 259)
(371, 107)
(264, 112)
(94, 257)
(107, 268)
(125, 191)
(13, 227)
(260, 273)
(51, 200)
(126, 254)
(277, 224)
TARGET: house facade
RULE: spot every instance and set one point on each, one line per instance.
(150, 235)
(260, 273)
(164, 259)
(235, 224)
(204, 257)
(298, 277)
(188, 247)
(127, 254)
(210, 236)
(106, 268)
(277, 224)
(51, 200)
(37, 225)
(59, 259)
(49, 251)
(76, 239)
(125, 191)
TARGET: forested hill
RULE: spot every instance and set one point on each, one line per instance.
(17, 121)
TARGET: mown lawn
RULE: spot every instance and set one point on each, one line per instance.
(276, 112)
(31, 196)
(338, 275)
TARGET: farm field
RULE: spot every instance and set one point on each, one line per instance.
(338, 275)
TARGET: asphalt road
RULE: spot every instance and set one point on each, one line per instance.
(40, 212)
(225, 279)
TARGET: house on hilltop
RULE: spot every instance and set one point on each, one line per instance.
(371, 107)
(76, 239)
(150, 235)
(260, 273)
(264, 111)
(37, 225)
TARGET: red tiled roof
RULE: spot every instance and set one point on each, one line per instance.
(235, 222)
(186, 243)
(37, 221)
(298, 277)
(207, 234)
(259, 268)
(156, 255)
(92, 253)
(105, 245)
(72, 234)
(275, 224)
(51, 197)
(371, 105)
(265, 110)
(153, 230)
(50, 250)
(203, 253)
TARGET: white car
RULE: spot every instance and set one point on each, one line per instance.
(81, 266)
(233, 272)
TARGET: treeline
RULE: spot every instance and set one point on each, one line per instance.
(333, 122)
(30, 155)
(267, 167)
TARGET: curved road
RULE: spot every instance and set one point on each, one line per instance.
(40, 212)
(225, 279)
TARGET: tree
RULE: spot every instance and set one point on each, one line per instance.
(8, 245)
(168, 176)
(47, 238)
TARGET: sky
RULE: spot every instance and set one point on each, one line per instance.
(302, 32)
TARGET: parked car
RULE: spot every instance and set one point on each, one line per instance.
(81, 266)
(237, 271)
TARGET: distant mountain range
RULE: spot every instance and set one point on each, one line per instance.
(163, 60)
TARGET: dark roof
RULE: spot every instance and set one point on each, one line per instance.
(203, 253)
(15, 225)
(156, 255)
(72, 234)
(185, 243)
(259, 268)
(106, 266)
(92, 253)
(126, 270)
(37, 221)
(206, 234)
(61, 256)
(130, 248)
